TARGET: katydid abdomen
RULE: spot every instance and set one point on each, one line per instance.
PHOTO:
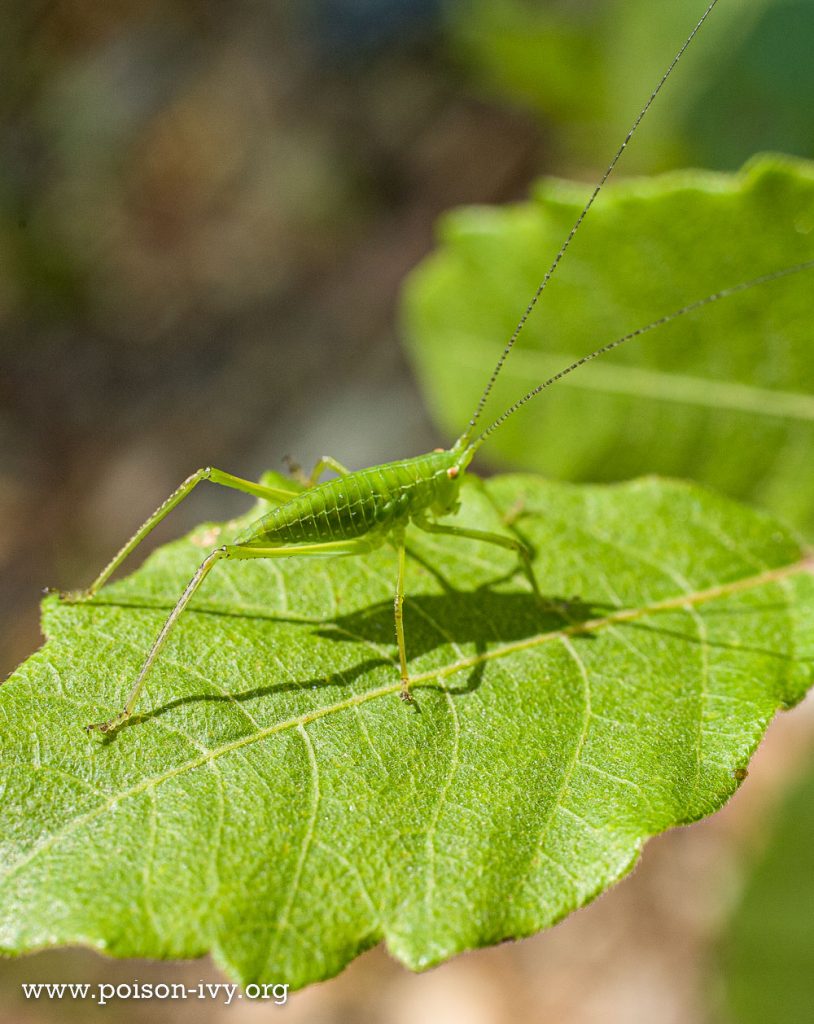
(366, 503)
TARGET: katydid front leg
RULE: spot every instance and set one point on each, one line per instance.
(323, 463)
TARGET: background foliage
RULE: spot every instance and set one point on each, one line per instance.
(767, 951)
(205, 215)
(726, 392)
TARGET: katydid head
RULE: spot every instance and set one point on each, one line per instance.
(449, 479)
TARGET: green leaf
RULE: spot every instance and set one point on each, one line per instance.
(275, 803)
(724, 395)
(588, 67)
(767, 954)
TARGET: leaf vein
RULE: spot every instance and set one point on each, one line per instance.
(802, 566)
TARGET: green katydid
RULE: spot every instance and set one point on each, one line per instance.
(358, 511)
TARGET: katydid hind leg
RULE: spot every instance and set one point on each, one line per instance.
(158, 643)
(215, 476)
(228, 551)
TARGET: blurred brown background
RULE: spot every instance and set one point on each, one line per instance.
(205, 213)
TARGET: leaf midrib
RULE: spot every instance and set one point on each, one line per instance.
(640, 382)
(803, 565)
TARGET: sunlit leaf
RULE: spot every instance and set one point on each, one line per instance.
(274, 802)
(725, 395)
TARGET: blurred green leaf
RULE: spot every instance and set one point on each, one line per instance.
(769, 950)
(751, 99)
(724, 395)
(545, 57)
(588, 67)
(275, 803)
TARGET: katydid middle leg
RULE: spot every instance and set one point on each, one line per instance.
(323, 463)
(511, 543)
(327, 462)
(398, 606)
